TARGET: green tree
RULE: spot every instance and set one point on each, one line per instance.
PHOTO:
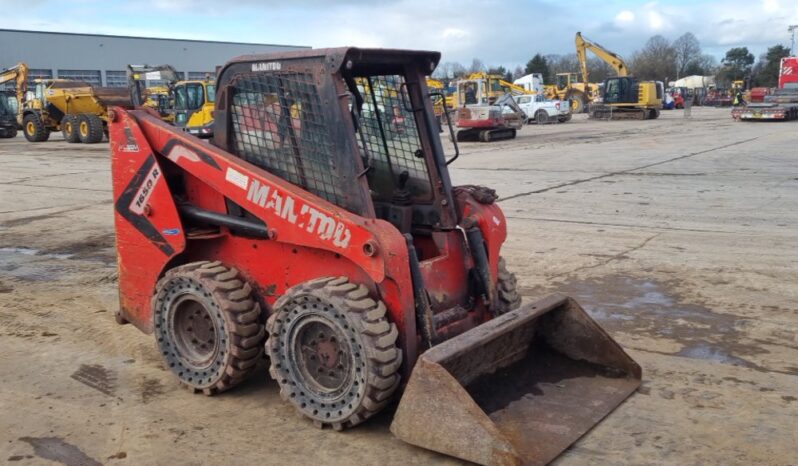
(769, 74)
(539, 64)
(737, 63)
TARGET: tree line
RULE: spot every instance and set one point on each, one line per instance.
(659, 59)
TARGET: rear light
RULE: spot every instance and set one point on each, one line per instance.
(557, 105)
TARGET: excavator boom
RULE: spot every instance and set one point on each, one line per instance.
(612, 59)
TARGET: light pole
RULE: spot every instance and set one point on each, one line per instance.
(791, 29)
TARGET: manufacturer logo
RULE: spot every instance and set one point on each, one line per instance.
(267, 66)
(302, 215)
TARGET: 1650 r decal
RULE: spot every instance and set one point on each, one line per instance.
(132, 201)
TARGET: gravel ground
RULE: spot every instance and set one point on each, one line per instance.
(678, 235)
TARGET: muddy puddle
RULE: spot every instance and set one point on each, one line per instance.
(31, 264)
(643, 307)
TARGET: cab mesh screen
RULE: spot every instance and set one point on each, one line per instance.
(391, 137)
(278, 125)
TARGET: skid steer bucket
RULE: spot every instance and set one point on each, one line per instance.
(518, 389)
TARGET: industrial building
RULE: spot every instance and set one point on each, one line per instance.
(102, 59)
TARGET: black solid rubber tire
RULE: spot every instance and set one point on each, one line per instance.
(541, 117)
(234, 314)
(40, 132)
(95, 130)
(8, 133)
(506, 288)
(372, 375)
(69, 128)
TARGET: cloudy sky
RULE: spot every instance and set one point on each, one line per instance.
(498, 32)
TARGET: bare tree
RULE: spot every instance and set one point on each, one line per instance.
(518, 72)
(476, 66)
(688, 50)
(443, 71)
(458, 70)
(657, 60)
(449, 70)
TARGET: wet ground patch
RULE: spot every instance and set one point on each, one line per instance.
(640, 306)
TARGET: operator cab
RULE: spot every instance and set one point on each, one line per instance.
(621, 90)
(377, 153)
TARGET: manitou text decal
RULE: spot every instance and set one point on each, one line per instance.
(145, 191)
(302, 215)
(267, 66)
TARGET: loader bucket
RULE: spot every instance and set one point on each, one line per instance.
(518, 389)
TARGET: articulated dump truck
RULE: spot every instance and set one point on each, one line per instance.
(77, 109)
(321, 225)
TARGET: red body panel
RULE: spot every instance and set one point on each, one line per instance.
(147, 237)
(308, 236)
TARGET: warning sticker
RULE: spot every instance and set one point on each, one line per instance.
(237, 178)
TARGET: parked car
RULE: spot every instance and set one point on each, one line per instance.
(541, 110)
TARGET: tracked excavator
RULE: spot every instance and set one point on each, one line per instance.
(621, 97)
(484, 112)
(321, 224)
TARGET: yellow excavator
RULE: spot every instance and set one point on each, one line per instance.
(8, 110)
(623, 96)
(186, 104)
(441, 100)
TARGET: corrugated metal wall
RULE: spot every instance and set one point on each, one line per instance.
(86, 55)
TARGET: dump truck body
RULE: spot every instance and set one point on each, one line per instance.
(77, 109)
(324, 207)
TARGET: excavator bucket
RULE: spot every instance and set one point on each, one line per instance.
(517, 390)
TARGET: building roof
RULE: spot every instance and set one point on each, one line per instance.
(152, 38)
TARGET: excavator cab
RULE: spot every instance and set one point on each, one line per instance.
(8, 114)
(193, 106)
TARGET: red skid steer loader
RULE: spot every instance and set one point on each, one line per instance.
(322, 223)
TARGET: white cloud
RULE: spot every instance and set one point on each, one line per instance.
(655, 20)
(624, 17)
(507, 32)
(454, 33)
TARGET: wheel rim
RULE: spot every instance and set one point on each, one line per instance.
(322, 354)
(84, 128)
(68, 127)
(30, 128)
(193, 331)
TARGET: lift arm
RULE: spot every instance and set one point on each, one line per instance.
(612, 59)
